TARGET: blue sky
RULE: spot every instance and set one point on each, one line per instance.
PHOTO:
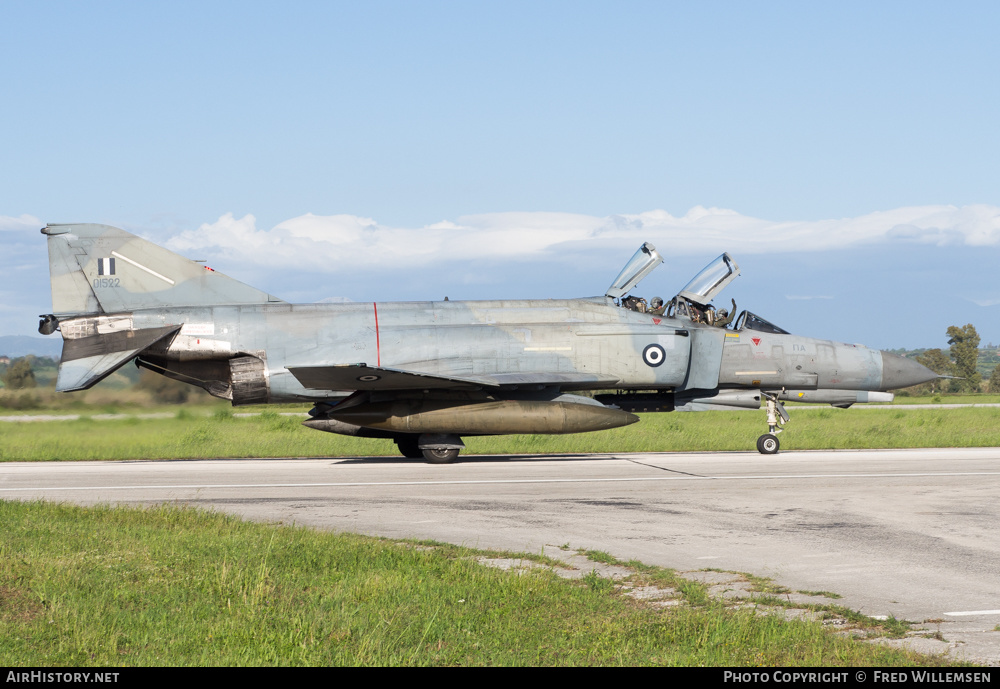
(846, 154)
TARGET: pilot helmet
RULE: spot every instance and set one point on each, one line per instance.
(723, 313)
(656, 302)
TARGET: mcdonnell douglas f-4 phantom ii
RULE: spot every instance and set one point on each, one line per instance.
(427, 373)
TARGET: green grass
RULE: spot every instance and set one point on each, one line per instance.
(217, 433)
(762, 585)
(171, 586)
(601, 556)
(946, 398)
(823, 594)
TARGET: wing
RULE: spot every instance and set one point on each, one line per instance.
(365, 377)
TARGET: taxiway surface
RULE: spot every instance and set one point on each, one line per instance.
(909, 533)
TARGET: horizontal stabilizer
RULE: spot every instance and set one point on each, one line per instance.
(88, 360)
(364, 377)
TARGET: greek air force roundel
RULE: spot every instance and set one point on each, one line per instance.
(653, 355)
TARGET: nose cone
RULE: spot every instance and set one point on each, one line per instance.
(900, 372)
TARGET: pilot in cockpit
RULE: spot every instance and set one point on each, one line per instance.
(724, 318)
(693, 302)
(657, 307)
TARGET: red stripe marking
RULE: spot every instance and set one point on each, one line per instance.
(378, 346)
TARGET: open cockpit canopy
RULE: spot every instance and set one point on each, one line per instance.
(694, 302)
(710, 281)
(639, 266)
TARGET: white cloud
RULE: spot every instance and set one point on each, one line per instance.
(342, 242)
(20, 223)
(521, 255)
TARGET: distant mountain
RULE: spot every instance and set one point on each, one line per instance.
(22, 345)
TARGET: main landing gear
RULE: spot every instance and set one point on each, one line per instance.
(435, 448)
(768, 444)
(440, 456)
(407, 446)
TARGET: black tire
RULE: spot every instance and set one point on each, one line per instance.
(440, 456)
(768, 444)
(408, 448)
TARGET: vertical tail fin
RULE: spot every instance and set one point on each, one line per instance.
(102, 269)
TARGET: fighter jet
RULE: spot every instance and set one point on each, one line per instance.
(425, 374)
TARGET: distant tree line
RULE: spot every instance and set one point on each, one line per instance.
(960, 362)
(168, 390)
(20, 374)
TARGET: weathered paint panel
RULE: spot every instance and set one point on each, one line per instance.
(706, 359)
(465, 339)
(774, 361)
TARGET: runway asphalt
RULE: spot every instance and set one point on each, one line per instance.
(909, 533)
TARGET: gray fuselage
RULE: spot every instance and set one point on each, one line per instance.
(468, 339)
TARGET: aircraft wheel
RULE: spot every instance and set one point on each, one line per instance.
(408, 448)
(440, 456)
(768, 444)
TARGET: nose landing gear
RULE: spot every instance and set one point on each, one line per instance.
(768, 444)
